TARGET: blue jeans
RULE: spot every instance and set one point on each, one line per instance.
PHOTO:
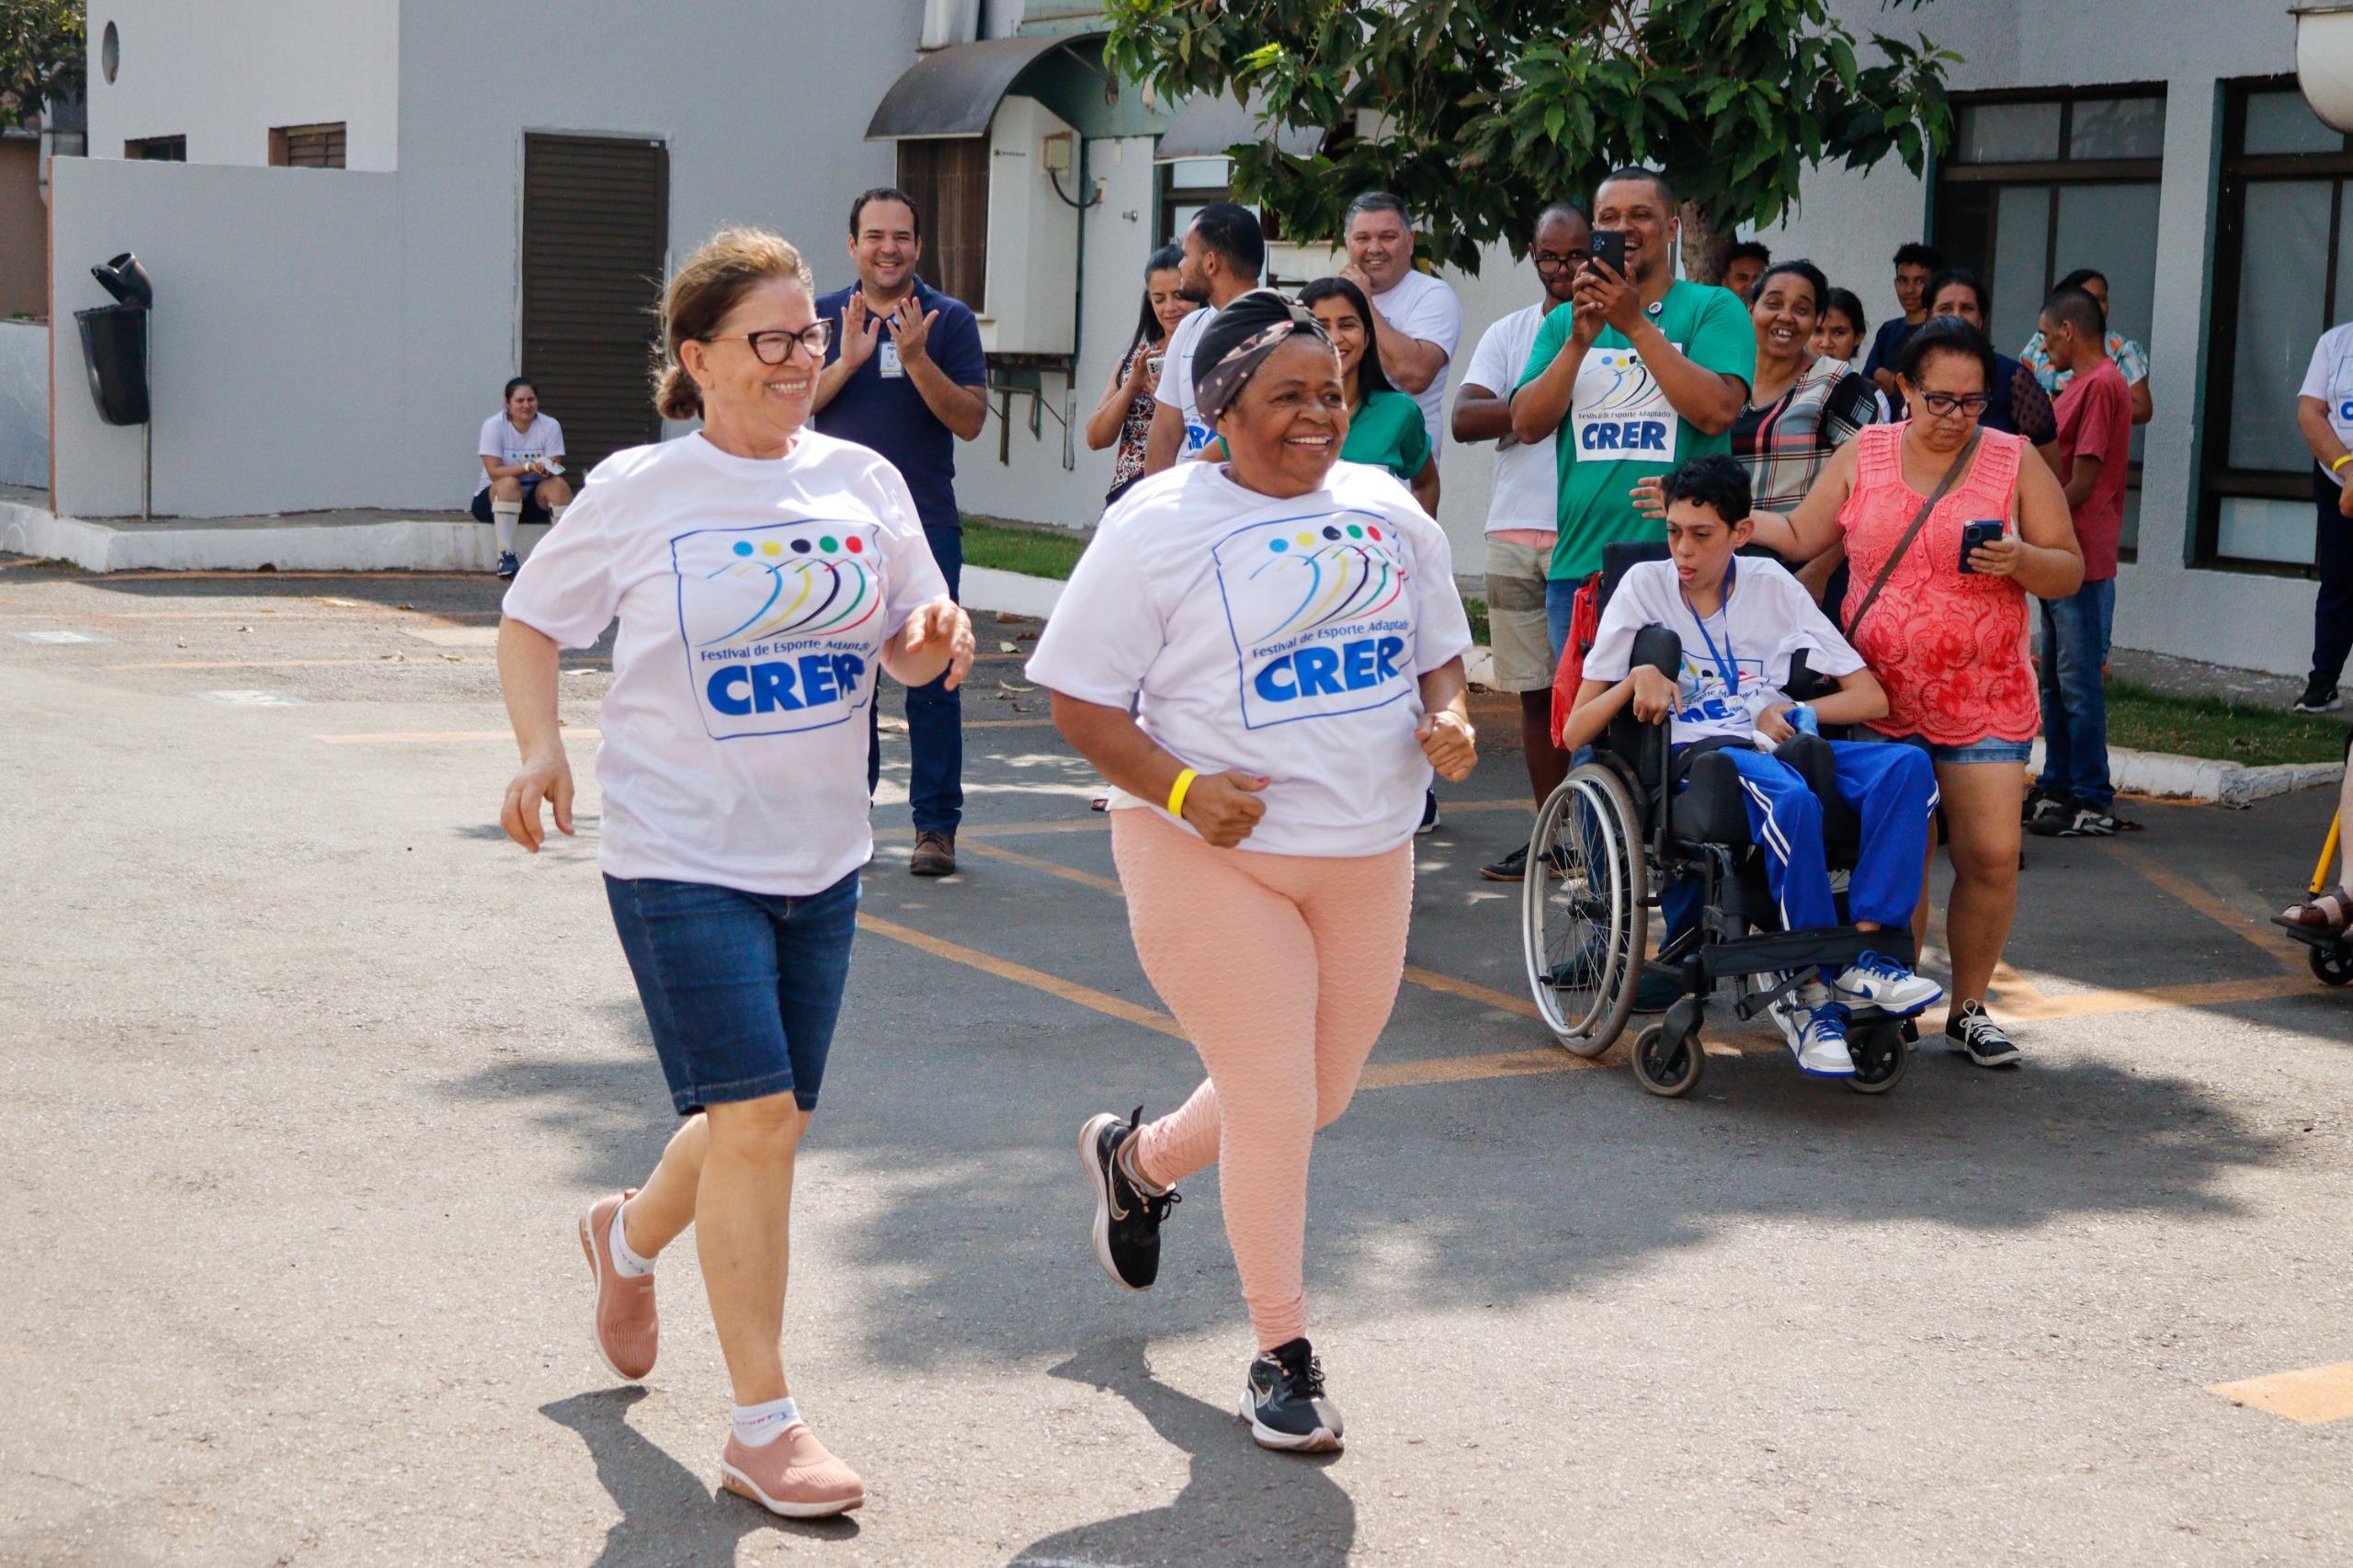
(2332, 605)
(1559, 606)
(934, 719)
(2075, 708)
(741, 989)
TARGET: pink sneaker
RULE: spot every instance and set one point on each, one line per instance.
(793, 1476)
(626, 1330)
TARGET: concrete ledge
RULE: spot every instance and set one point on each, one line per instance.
(2165, 777)
(399, 545)
(1008, 593)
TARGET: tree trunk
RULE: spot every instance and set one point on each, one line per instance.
(1703, 245)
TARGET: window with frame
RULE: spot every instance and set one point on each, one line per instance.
(2037, 186)
(306, 146)
(1186, 186)
(157, 149)
(2282, 274)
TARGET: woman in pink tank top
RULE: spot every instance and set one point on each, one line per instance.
(1949, 641)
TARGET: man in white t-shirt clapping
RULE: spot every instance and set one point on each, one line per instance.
(1523, 506)
(1422, 320)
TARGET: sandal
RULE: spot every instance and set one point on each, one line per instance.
(2328, 911)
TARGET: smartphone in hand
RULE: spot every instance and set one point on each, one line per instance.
(1974, 535)
(1608, 248)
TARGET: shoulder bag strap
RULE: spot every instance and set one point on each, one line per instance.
(1895, 557)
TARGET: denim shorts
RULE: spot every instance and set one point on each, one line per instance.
(1986, 750)
(741, 989)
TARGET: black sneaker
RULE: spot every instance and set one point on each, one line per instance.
(507, 565)
(2090, 822)
(1285, 1402)
(1127, 1218)
(1980, 1036)
(1429, 812)
(2048, 817)
(1512, 868)
(2318, 699)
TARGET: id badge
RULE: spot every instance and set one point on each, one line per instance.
(887, 352)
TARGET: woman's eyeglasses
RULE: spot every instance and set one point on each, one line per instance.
(1944, 405)
(774, 347)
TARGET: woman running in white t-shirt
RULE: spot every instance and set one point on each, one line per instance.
(1287, 631)
(761, 573)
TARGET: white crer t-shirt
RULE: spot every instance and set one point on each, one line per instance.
(1177, 379)
(1527, 489)
(501, 440)
(1420, 306)
(2330, 379)
(754, 597)
(1278, 637)
(1766, 617)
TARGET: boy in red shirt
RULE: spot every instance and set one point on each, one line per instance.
(2073, 798)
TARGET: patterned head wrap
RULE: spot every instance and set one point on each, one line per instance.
(1233, 346)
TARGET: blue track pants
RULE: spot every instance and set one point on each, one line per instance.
(1894, 788)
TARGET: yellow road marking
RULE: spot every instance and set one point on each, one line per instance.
(1463, 1069)
(1022, 975)
(2288, 951)
(1431, 980)
(246, 663)
(1053, 868)
(2204, 993)
(1096, 824)
(2312, 1397)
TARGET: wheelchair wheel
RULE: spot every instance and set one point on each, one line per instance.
(2331, 966)
(1882, 1056)
(1668, 1073)
(1585, 919)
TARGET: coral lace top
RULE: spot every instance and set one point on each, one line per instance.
(1949, 646)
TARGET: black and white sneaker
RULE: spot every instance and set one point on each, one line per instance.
(1127, 1218)
(507, 565)
(2088, 821)
(1981, 1037)
(2047, 816)
(2318, 697)
(1512, 868)
(1285, 1402)
(1429, 812)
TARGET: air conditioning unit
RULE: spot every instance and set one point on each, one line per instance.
(1033, 278)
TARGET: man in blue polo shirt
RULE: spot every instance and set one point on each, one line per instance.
(905, 377)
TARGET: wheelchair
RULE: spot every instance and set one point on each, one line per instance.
(1618, 831)
(2329, 953)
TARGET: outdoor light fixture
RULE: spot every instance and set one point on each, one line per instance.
(2325, 60)
(116, 348)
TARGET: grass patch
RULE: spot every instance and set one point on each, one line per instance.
(2226, 731)
(1477, 610)
(1033, 552)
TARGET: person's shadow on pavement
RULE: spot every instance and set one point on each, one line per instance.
(1243, 1504)
(667, 1514)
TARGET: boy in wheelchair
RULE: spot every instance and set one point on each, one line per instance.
(1741, 623)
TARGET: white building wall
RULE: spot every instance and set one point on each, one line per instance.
(222, 72)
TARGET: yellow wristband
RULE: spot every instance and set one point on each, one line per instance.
(2340, 462)
(1176, 792)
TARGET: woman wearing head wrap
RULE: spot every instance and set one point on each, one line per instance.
(1285, 629)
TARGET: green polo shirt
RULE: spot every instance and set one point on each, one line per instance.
(1620, 427)
(1387, 431)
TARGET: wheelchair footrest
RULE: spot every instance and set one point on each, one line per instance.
(1816, 946)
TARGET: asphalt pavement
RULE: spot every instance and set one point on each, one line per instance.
(305, 1074)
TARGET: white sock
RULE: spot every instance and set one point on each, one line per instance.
(757, 1426)
(626, 1264)
(555, 514)
(505, 515)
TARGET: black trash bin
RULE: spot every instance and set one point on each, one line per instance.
(114, 347)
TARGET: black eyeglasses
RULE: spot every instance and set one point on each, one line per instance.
(774, 347)
(1558, 261)
(1944, 405)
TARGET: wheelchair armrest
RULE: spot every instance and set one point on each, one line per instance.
(1806, 685)
(1660, 648)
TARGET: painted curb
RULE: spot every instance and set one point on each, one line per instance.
(396, 546)
(2165, 777)
(1008, 593)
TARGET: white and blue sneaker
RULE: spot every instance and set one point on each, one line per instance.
(1874, 979)
(1815, 1027)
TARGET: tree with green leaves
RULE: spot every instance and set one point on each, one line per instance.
(1478, 112)
(42, 43)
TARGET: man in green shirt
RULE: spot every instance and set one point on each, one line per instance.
(1641, 373)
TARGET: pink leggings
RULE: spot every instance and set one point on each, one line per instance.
(1237, 944)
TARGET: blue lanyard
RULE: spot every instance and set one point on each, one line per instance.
(1727, 667)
